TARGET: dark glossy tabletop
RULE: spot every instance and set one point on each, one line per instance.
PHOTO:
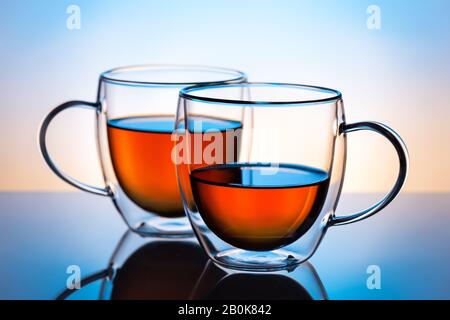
(41, 234)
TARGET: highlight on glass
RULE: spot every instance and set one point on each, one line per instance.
(261, 168)
(135, 112)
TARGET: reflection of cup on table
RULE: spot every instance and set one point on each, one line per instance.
(178, 269)
(218, 283)
(151, 268)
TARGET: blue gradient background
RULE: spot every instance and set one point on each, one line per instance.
(399, 74)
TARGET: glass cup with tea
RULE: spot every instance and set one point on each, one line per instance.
(263, 193)
(135, 109)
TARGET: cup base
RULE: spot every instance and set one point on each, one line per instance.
(164, 228)
(258, 261)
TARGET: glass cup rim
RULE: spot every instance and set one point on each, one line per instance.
(189, 94)
(110, 76)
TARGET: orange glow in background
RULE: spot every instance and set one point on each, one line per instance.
(398, 75)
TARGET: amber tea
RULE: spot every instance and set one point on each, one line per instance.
(259, 207)
(141, 149)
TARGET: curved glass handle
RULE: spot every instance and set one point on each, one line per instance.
(403, 158)
(104, 191)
